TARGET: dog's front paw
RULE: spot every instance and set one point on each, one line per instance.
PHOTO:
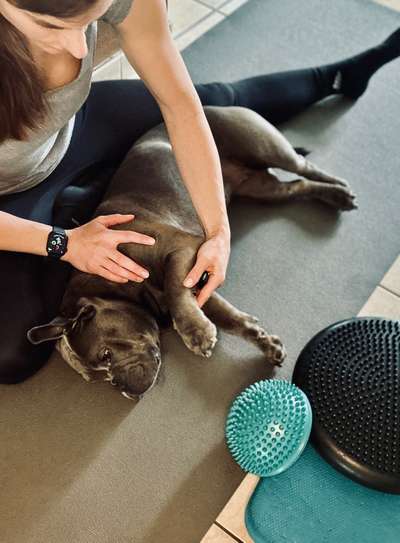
(200, 339)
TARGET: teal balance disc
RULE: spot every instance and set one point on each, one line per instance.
(268, 427)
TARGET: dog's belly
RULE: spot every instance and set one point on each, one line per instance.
(148, 184)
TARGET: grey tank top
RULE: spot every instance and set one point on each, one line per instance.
(24, 164)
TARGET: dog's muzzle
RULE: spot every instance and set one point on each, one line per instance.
(120, 379)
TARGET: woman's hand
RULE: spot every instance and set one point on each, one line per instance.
(92, 248)
(213, 257)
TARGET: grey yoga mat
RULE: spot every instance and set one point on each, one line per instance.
(81, 463)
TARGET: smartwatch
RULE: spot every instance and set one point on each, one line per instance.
(57, 242)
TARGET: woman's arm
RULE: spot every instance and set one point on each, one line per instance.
(92, 247)
(149, 47)
(22, 235)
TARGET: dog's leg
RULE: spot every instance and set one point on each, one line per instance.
(245, 135)
(311, 171)
(236, 322)
(197, 332)
(257, 146)
(265, 186)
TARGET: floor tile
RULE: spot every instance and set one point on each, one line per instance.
(391, 280)
(232, 516)
(127, 72)
(381, 303)
(185, 13)
(231, 6)
(394, 4)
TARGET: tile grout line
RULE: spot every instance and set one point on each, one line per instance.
(233, 536)
(226, 5)
(109, 60)
(203, 3)
(388, 290)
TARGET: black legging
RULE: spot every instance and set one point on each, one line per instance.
(115, 114)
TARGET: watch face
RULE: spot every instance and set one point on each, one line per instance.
(56, 245)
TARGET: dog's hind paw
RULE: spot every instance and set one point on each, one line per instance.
(199, 339)
(273, 348)
(342, 198)
(270, 345)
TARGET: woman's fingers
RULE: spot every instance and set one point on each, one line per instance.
(213, 282)
(103, 272)
(92, 248)
(117, 263)
(110, 265)
(128, 263)
(114, 218)
(128, 236)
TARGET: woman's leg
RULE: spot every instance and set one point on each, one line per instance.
(280, 96)
(127, 109)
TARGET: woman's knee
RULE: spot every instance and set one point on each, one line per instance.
(216, 93)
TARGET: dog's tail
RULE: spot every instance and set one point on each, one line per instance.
(302, 151)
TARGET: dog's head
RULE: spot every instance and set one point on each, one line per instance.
(112, 340)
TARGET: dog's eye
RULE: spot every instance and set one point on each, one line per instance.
(105, 355)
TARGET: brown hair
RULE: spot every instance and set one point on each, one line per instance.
(22, 94)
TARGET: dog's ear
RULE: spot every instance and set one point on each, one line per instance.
(60, 325)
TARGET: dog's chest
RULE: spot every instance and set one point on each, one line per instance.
(154, 299)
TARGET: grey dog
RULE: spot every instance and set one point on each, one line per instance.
(111, 331)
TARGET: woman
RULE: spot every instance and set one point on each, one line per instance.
(53, 126)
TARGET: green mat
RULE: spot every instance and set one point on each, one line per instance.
(311, 502)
